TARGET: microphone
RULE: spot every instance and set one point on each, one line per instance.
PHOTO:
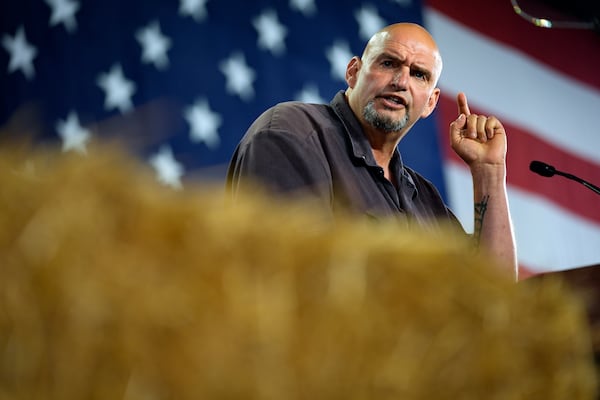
(546, 170)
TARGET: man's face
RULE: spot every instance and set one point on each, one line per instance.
(393, 85)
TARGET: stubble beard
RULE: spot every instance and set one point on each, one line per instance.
(381, 122)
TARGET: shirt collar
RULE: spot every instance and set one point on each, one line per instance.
(360, 145)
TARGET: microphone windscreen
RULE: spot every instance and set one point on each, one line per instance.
(542, 168)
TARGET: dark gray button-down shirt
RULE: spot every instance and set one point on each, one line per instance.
(321, 151)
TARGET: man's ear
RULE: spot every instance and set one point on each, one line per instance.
(352, 71)
(431, 103)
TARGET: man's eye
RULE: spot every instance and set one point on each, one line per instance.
(387, 63)
(420, 75)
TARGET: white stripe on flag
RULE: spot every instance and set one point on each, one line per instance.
(516, 88)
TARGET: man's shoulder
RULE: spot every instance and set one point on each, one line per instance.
(294, 105)
(294, 115)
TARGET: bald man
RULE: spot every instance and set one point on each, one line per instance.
(345, 154)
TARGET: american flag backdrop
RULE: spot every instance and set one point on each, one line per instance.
(181, 80)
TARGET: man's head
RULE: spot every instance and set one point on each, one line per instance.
(394, 83)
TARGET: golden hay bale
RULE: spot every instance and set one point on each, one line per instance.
(114, 287)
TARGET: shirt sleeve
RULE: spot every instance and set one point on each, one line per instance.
(282, 162)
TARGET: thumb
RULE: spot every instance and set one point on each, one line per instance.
(456, 128)
(459, 123)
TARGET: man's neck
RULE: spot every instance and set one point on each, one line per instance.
(383, 146)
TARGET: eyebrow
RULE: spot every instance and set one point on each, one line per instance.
(417, 67)
(385, 54)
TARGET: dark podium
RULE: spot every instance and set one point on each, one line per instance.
(585, 282)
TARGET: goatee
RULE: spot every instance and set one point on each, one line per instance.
(381, 122)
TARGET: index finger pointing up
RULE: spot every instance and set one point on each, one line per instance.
(463, 106)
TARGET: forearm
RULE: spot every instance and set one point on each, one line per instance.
(493, 226)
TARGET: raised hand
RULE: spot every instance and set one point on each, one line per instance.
(477, 139)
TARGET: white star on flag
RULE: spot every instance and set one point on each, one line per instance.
(168, 170)
(310, 94)
(63, 12)
(117, 88)
(306, 7)
(339, 55)
(73, 135)
(369, 21)
(154, 45)
(204, 123)
(21, 53)
(239, 76)
(194, 8)
(271, 33)
(404, 3)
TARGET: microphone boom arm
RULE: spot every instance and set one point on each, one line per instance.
(590, 186)
(543, 169)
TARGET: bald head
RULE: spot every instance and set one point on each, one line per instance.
(410, 34)
(394, 83)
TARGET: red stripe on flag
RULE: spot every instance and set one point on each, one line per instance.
(523, 147)
(575, 52)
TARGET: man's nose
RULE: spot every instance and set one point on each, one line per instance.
(400, 78)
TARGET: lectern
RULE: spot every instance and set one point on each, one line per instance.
(585, 282)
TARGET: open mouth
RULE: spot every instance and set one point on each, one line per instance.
(393, 101)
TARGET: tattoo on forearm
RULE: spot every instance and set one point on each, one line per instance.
(480, 209)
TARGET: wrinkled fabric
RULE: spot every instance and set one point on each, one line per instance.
(320, 151)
